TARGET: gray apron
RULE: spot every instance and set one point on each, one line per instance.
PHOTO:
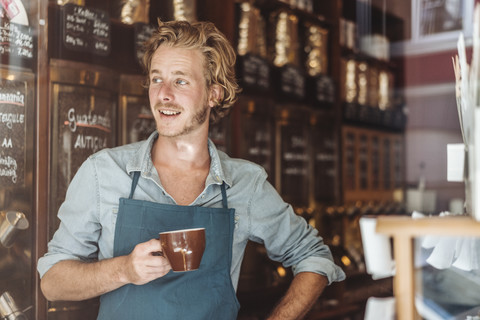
(206, 293)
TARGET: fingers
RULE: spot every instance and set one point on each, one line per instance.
(150, 246)
(146, 264)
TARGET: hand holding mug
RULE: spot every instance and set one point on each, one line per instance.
(145, 264)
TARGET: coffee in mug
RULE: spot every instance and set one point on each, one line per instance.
(183, 248)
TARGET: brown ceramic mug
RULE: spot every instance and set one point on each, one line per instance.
(183, 248)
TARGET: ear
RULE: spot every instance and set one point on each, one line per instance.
(215, 95)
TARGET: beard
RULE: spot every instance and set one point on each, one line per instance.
(194, 122)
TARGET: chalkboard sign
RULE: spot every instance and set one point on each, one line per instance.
(364, 113)
(375, 116)
(255, 139)
(85, 126)
(84, 123)
(387, 117)
(258, 139)
(143, 32)
(295, 164)
(16, 43)
(139, 119)
(219, 133)
(349, 160)
(324, 89)
(325, 162)
(12, 133)
(254, 72)
(350, 111)
(86, 29)
(291, 82)
(363, 159)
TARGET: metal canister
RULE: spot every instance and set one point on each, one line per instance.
(130, 11)
(285, 38)
(12, 224)
(316, 49)
(9, 309)
(385, 81)
(76, 2)
(348, 84)
(185, 10)
(251, 31)
(362, 83)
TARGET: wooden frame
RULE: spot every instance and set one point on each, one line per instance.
(403, 230)
(437, 21)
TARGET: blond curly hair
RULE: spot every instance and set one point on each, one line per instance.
(219, 56)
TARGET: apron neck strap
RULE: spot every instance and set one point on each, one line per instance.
(224, 196)
(136, 176)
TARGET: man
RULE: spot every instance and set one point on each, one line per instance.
(177, 179)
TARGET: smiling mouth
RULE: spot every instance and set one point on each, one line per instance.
(169, 112)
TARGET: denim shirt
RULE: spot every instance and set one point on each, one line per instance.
(89, 212)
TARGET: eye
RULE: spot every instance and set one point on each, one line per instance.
(156, 80)
(182, 82)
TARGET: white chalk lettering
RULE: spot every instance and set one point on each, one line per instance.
(90, 142)
(14, 98)
(8, 162)
(298, 142)
(9, 119)
(8, 168)
(289, 156)
(85, 13)
(295, 172)
(7, 143)
(9, 173)
(88, 120)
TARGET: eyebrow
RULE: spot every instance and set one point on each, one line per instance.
(176, 73)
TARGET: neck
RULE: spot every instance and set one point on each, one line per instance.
(181, 152)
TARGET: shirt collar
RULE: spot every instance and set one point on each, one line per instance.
(217, 171)
(142, 161)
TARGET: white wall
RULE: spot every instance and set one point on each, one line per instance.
(432, 124)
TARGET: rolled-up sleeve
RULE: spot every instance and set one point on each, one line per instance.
(287, 237)
(79, 230)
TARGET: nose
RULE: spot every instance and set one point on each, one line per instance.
(165, 93)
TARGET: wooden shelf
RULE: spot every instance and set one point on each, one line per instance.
(403, 230)
(406, 226)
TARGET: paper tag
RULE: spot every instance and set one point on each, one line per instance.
(455, 162)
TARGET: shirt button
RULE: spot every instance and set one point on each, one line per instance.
(203, 196)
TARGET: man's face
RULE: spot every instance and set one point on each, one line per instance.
(177, 91)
